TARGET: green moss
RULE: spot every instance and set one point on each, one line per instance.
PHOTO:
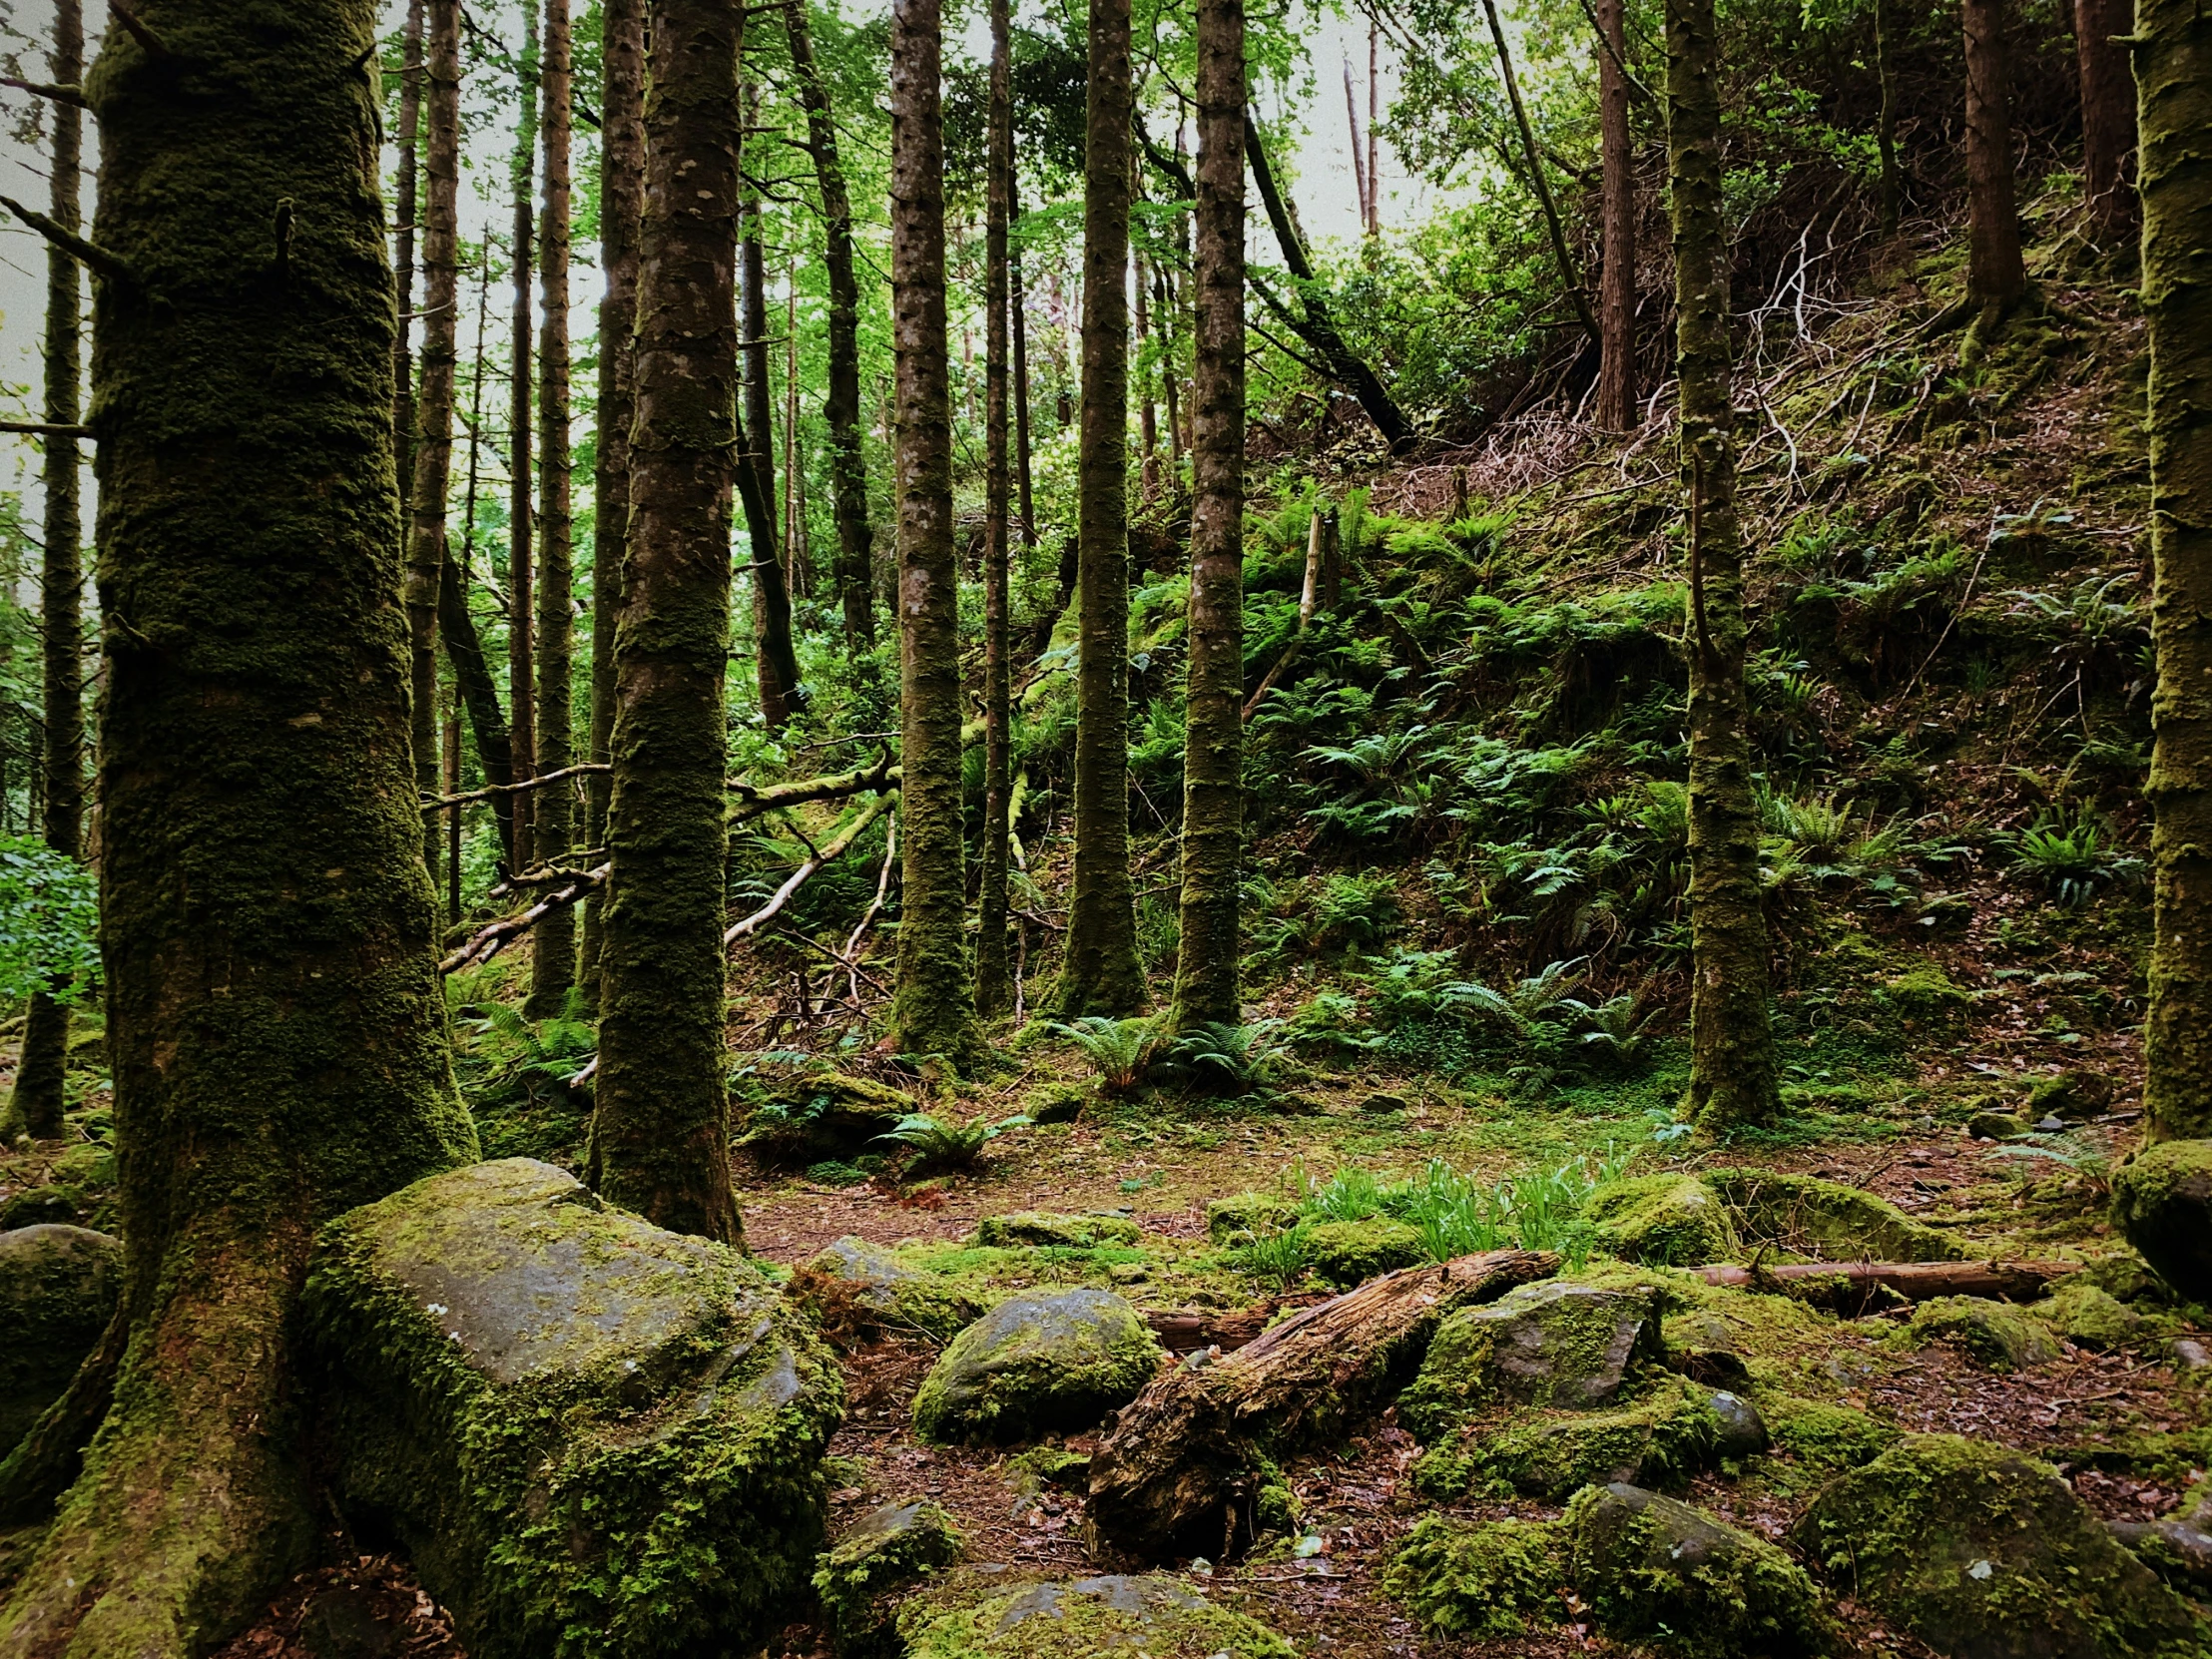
(58, 1288)
(1490, 1579)
(1043, 1227)
(893, 1546)
(1346, 1253)
(1553, 1343)
(1662, 1439)
(1248, 1214)
(897, 1294)
(2091, 1317)
(1037, 1363)
(1991, 1333)
(1154, 1615)
(1826, 1438)
(1823, 1220)
(2162, 1201)
(1926, 992)
(1664, 1220)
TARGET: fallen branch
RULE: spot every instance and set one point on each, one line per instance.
(45, 429)
(1318, 532)
(755, 799)
(1858, 1287)
(1182, 1332)
(488, 943)
(441, 802)
(828, 852)
(851, 954)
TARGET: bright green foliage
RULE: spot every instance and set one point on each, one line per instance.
(49, 916)
(937, 1144)
(1121, 1051)
(1156, 1615)
(1348, 1253)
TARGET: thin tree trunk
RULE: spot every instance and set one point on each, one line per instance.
(261, 840)
(521, 617)
(1617, 391)
(1169, 393)
(1374, 115)
(840, 407)
(621, 189)
(1995, 275)
(933, 1008)
(35, 1107)
(452, 779)
(404, 209)
(776, 661)
(553, 943)
(1018, 304)
(1533, 153)
(465, 651)
(2107, 113)
(660, 1135)
(2173, 70)
(1148, 408)
(1101, 975)
(1359, 154)
(994, 985)
(796, 578)
(1732, 1065)
(1206, 978)
(1886, 125)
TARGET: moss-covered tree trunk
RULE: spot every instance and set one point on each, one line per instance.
(1995, 275)
(775, 661)
(841, 404)
(1018, 305)
(35, 1107)
(660, 1136)
(2108, 111)
(1617, 390)
(522, 730)
(995, 984)
(1101, 975)
(620, 191)
(1732, 1065)
(407, 206)
(274, 1020)
(553, 941)
(933, 1008)
(2173, 70)
(1206, 978)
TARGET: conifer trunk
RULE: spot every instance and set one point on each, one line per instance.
(840, 406)
(406, 207)
(1995, 275)
(35, 1107)
(1732, 1065)
(659, 1137)
(2108, 111)
(994, 985)
(2173, 70)
(275, 1019)
(1018, 305)
(1617, 390)
(775, 663)
(521, 618)
(553, 941)
(621, 191)
(934, 1009)
(1101, 975)
(1205, 977)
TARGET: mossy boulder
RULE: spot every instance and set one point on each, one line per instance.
(1669, 1220)
(58, 1289)
(56, 1204)
(1151, 1614)
(594, 1438)
(1550, 1344)
(1825, 1220)
(1348, 1253)
(2090, 1317)
(821, 1115)
(1045, 1362)
(2162, 1201)
(1659, 1439)
(1043, 1227)
(1241, 1216)
(1657, 1571)
(886, 1549)
(1824, 1438)
(1985, 1554)
(1481, 1579)
(891, 1294)
(2177, 1548)
(1995, 1335)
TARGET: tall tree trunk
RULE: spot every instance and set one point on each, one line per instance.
(521, 617)
(798, 581)
(1205, 982)
(1358, 153)
(553, 941)
(621, 200)
(1102, 974)
(404, 209)
(1885, 124)
(934, 1009)
(1148, 407)
(1995, 275)
(433, 459)
(660, 1131)
(994, 985)
(1018, 304)
(1374, 115)
(1617, 390)
(2108, 111)
(263, 853)
(1533, 153)
(840, 407)
(1732, 1065)
(2173, 69)
(777, 664)
(35, 1106)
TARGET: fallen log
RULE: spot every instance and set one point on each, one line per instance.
(1852, 1288)
(1180, 1471)
(1186, 1331)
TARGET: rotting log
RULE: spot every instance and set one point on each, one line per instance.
(1180, 1468)
(1861, 1286)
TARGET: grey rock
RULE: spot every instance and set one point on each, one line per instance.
(1743, 1432)
(1550, 1344)
(1038, 1363)
(2050, 1125)
(58, 1287)
(884, 1550)
(2176, 1547)
(895, 1295)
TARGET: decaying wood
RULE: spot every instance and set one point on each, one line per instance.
(1186, 1331)
(1178, 1470)
(1858, 1287)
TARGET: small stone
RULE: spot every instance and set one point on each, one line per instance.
(1038, 1363)
(1348, 1253)
(1995, 1126)
(1669, 1220)
(2190, 1353)
(1550, 1344)
(1248, 1215)
(1995, 1335)
(2162, 1201)
(1743, 1430)
(1384, 1101)
(1652, 1569)
(2050, 1125)
(883, 1551)
(1045, 1228)
(1112, 1615)
(58, 1287)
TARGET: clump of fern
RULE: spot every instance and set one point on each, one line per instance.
(938, 1144)
(1231, 1059)
(1121, 1051)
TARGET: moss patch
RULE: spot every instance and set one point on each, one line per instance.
(1664, 1437)
(1553, 1344)
(1823, 1220)
(1667, 1220)
(1153, 1614)
(1248, 1215)
(1042, 1227)
(1037, 1365)
(1991, 1333)
(1348, 1253)
(888, 1548)
(2162, 1201)
(1490, 1579)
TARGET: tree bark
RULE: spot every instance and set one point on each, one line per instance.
(1101, 975)
(1617, 390)
(1732, 1065)
(553, 948)
(1205, 979)
(1995, 275)
(994, 985)
(274, 1023)
(1018, 304)
(1886, 123)
(775, 663)
(2107, 113)
(620, 193)
(660, 1136)
(35, 1106)
(840, 408)
(1569, 279)
(521, 609)
(1853, 1288)
(934, 1007)
(2173, 70)
(406, 207)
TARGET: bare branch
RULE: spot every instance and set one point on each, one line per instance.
(441, 802)
(93, 256)
(149, 42)
(74, 95)
(851, 832)
(489, 941)
(45, 429)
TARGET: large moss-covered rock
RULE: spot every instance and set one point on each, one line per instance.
(1986, 1555)
(1669, 1220)
(1084, 1618)
(2090, 1317)
(1244, 1216)
(1991, 1333)
(1657, 1571)
(1553, 1344)
(58, 1288)
(594, 1438)
(1669, 1433)
(821, 1115)
(886, 1549)
(1481, 1579)
(2162, 1201)
(891, 1294)
(1040, 1364)
(2177, 1548)
(1348, 1253)
(1825, 1220)
(1045, 1227)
